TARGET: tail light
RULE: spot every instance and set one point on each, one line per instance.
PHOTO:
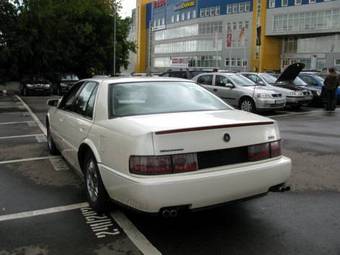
(157, 165)
(258, 152)
(275, 149)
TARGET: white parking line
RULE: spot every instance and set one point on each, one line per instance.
(34, 213)
(134, 234)
(16, 122)
(19, 136)
(27, 160)
(36, 119)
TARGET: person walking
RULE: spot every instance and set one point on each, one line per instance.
(331, 83)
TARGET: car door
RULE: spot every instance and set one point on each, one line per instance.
(79, 121)
(206, 80)
(57, 120)
(226, 90)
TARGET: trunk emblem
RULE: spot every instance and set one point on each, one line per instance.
(226, 138)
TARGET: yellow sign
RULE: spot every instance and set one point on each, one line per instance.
(186, 4)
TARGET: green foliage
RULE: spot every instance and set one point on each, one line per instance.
(51, 37)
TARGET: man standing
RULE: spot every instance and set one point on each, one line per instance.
(331, 84)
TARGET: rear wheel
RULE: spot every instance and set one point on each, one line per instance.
(248, 105)
(95, 190)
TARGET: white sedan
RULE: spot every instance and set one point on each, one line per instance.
(160, 145)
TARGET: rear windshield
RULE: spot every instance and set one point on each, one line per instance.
(240, 80)
(269, 78)
(160, 97)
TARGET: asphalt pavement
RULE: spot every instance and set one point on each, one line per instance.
(43, 209)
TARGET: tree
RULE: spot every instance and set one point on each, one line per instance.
(59, 36)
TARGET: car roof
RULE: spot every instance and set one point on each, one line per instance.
(135, 79)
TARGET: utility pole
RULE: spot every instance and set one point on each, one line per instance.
(114, 36)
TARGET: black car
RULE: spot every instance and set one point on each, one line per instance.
(35, 86)
(185, 74)
(65, 83)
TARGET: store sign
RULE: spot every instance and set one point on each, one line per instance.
(179, 62)
(185, 4)
(159, 3)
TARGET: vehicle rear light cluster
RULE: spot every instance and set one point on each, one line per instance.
(264, 151)
(157, 165)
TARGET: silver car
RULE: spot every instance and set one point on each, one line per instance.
(241, 92)
(294, 98)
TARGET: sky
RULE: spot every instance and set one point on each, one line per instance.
(128, 5)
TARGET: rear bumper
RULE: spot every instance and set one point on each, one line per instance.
(200, 189)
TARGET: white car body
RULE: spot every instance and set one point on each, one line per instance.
(113, 141)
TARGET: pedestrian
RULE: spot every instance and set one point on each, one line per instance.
(331, 83)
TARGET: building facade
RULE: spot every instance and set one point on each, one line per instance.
(238, 35)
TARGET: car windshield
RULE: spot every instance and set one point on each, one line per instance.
(319, 79)
(269, 78)
(161, 97)
(299, 82)
(240, 80)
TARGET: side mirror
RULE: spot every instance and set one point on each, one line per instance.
(230, 85)
(52, 102)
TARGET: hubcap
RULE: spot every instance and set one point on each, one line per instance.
(246, 106)
(92, 181)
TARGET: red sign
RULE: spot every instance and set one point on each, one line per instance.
(159, 3)
(229, 40)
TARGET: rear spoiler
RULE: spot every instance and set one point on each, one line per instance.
(165, 132)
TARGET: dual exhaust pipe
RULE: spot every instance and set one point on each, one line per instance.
(169, 213)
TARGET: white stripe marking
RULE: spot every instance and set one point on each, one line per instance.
(29, 214)
(36, 119)
(15, 123)
(134, 235)
(18, 136)
(27, 159)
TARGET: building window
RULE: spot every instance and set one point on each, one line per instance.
(207, 12)
(246, 24)
(163, 21)
(247, 7)
(227, 62)
(177, 18)
(233, 62)
(234, 26)
(241, 7)
(188, 15)
(194, 14)
(172, 19)
(228, 26)
(337, 62)
(245, 62)
(285, 2)
(155, 23)
(201, 13)
(212, 11)
(183, 16)
(229, 9)
(218, 10)
(298, 2)
(239, 62)
(235, 8)
(271, 3)
(240, 25)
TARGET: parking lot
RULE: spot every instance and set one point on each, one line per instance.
(43, 209)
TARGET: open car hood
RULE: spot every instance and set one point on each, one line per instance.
(291, 72)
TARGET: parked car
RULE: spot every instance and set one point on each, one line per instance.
(293, 97)
(155, 144)
(35, 86)
(289, 79)
(241, 92)
(65, 83)
(185, 74)
(316, 79)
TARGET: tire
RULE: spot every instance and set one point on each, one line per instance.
(95, 190)
(50, 143)
(248, 105)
